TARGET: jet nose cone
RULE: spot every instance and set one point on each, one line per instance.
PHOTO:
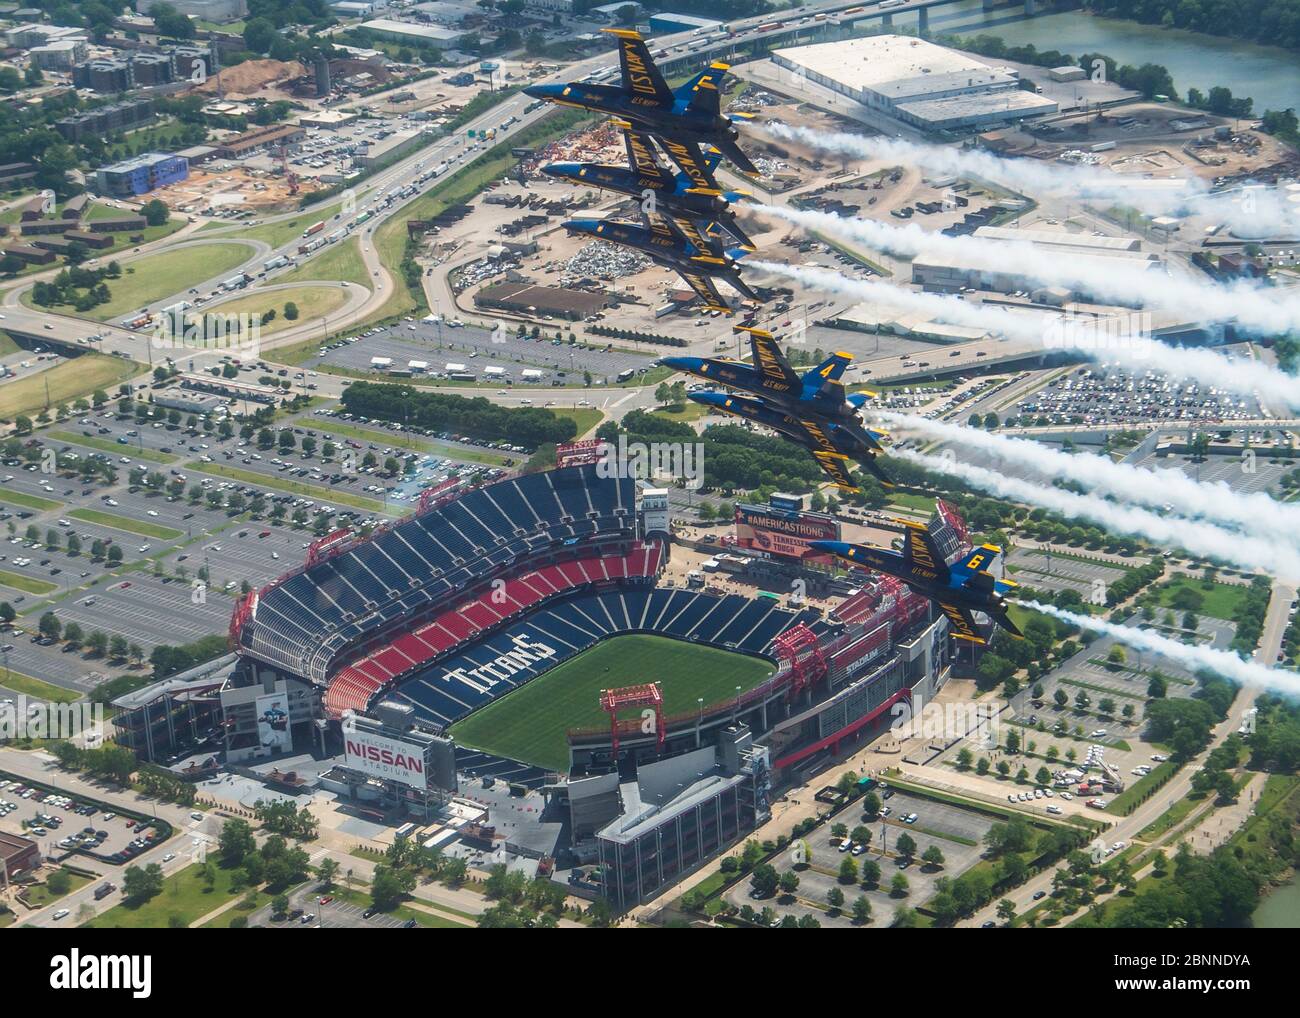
(560, 169)
(536, 91)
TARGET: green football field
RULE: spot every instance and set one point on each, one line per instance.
(529, 724)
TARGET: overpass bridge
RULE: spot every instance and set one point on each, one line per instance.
(824, 22)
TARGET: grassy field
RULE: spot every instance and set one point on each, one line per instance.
(184, 896)
(17, 682)
(421, 915)
(916, 503)
(27, 584)
(125, 523)
(683, 413)
(312, 301)
(249, 902)
(67, 381)
(154, 276)
(21, 498)
(327, 495)
(103, 445)
(529, 724)
(282, 232)
(340, 261)
(1219, 600)
(38, 895)
(585, 418)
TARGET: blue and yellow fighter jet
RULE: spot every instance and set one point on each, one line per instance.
(689, 118)
(677, 243)
(958, 589)
(645, 177)
(832, 445)
(818, 392)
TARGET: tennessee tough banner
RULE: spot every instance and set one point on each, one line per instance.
(785, 534)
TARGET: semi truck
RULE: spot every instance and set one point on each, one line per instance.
(314, 228)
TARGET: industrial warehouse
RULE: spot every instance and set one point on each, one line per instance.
(920, 83)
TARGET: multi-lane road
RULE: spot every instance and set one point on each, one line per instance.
(455, 150)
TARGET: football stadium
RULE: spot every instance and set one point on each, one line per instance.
(520, 637)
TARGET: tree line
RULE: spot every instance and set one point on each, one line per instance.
(476, 417)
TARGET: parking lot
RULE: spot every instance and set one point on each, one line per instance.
(126, 557)
(309, 908)
(1042, 570)
(957, 833)
(477, 349)
(1259, 473)
(65, 826)
(1108, 395)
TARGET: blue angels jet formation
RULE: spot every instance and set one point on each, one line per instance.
(689, 225)
(812, 410)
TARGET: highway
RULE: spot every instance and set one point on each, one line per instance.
(682, 48)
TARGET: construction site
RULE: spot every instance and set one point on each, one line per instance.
(221, 192)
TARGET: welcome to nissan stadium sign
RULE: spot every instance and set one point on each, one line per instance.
(385, 758)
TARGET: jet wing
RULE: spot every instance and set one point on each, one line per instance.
(836, 466)
(683, 229)
(820, 440)
(688, 158)
(703, 285)
(922, 558)
(963, 623)
(699, 240)
(641, 78)
(641, 157)
(777, 374)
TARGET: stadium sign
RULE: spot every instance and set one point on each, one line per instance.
(784, 534)
(384, 758)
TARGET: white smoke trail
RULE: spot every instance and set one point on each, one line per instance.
(1193, 658)
(1199, 538)
(1136, 353)
(1256, 513)
(1249, 208)
(1255, 307)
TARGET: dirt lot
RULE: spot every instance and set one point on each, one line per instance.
(237, 187)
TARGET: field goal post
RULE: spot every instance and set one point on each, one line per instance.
(647, 694)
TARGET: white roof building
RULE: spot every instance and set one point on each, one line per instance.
(917, 81)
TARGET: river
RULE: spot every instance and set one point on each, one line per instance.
(1281, 909)
(1268, 75)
